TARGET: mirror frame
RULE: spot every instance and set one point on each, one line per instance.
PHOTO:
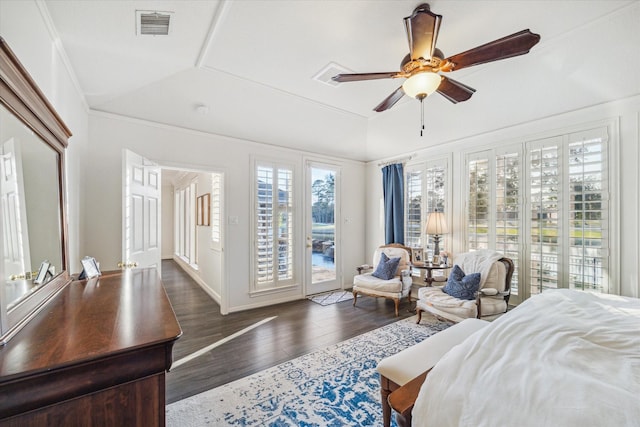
(23, 98)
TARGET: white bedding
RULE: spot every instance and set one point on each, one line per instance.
(562, 358)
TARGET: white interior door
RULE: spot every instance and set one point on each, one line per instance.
(141, 212)
(323, 228)
(17, 258)
(16, 251)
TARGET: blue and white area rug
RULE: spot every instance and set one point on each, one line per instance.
(335, 386)
(332, 297)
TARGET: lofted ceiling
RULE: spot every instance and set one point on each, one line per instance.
(252, 63)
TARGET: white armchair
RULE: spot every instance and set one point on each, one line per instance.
(397, 287)
(491, 297)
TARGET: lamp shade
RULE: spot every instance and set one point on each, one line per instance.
(424, 83)
(436, 224)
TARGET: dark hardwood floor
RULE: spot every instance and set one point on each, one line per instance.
(299, 327)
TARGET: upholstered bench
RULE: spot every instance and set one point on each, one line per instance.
(399, 369)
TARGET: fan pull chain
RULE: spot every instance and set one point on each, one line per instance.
(422, 116)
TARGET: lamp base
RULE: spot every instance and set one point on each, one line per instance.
(436, 242)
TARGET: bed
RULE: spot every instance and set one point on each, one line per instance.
(561, 358)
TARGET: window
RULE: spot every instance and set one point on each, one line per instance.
(426, 190)
(177, 236)
(274, 225)
(508, 210)
(216, 209)
(413, 211)
(494, 204)
(588, 211)
(557, 225)
(185, 229)
(478, 204)
(435, 183)
(569, 225)
(545, 227)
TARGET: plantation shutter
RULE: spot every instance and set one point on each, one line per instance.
(285, 224)
(545, 187)
(478, 202)
(508, 210)
(588, 198)
(273, 264)
(547, 209)
(216, 209)
(426, 187)
(569, 195)
(413, 217)
(436, 195)
(264, 226)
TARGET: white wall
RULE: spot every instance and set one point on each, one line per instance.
(210, 260)
(167, 249)
(173, 147)
(29, 34)
(625, 252)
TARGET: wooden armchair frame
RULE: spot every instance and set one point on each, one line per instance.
(509, 266)
(395, 299)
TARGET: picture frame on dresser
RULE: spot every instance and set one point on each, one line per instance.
(43, 273)
(90, 268)
(417, 255)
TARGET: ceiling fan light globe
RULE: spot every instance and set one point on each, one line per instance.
(421, 84)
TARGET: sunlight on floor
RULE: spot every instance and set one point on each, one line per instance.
(218, 343)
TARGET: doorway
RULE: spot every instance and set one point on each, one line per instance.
(187, 222)
(323, 231)
(195, 212)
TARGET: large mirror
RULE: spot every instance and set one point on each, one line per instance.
(33, 260)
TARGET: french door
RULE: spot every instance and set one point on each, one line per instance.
(322, 228)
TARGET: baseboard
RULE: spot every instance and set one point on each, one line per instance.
(194, 275)
(265, 304)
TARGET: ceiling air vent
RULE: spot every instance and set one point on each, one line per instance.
(329, 71)
(153, 23)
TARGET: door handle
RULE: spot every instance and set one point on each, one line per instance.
(125, 265)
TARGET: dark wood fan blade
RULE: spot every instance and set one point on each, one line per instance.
(363, 76)
(454, 91)
(390, 100)
(506, 47)
(422, 32)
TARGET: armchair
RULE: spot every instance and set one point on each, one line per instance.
(491, 298)
(397, 287)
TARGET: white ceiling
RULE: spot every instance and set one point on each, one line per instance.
(252, 62)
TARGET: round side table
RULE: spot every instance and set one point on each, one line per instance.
(428, 279)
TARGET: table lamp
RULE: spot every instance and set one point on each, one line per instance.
(436, 226)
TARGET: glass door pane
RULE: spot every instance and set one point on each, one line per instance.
(323, 226)
(322, 229)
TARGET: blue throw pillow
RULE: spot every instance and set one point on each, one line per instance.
(386, 269)
(462, 286)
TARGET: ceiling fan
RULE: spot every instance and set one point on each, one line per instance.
(423, 63)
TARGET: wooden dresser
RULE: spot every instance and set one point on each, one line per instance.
(95, 355)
